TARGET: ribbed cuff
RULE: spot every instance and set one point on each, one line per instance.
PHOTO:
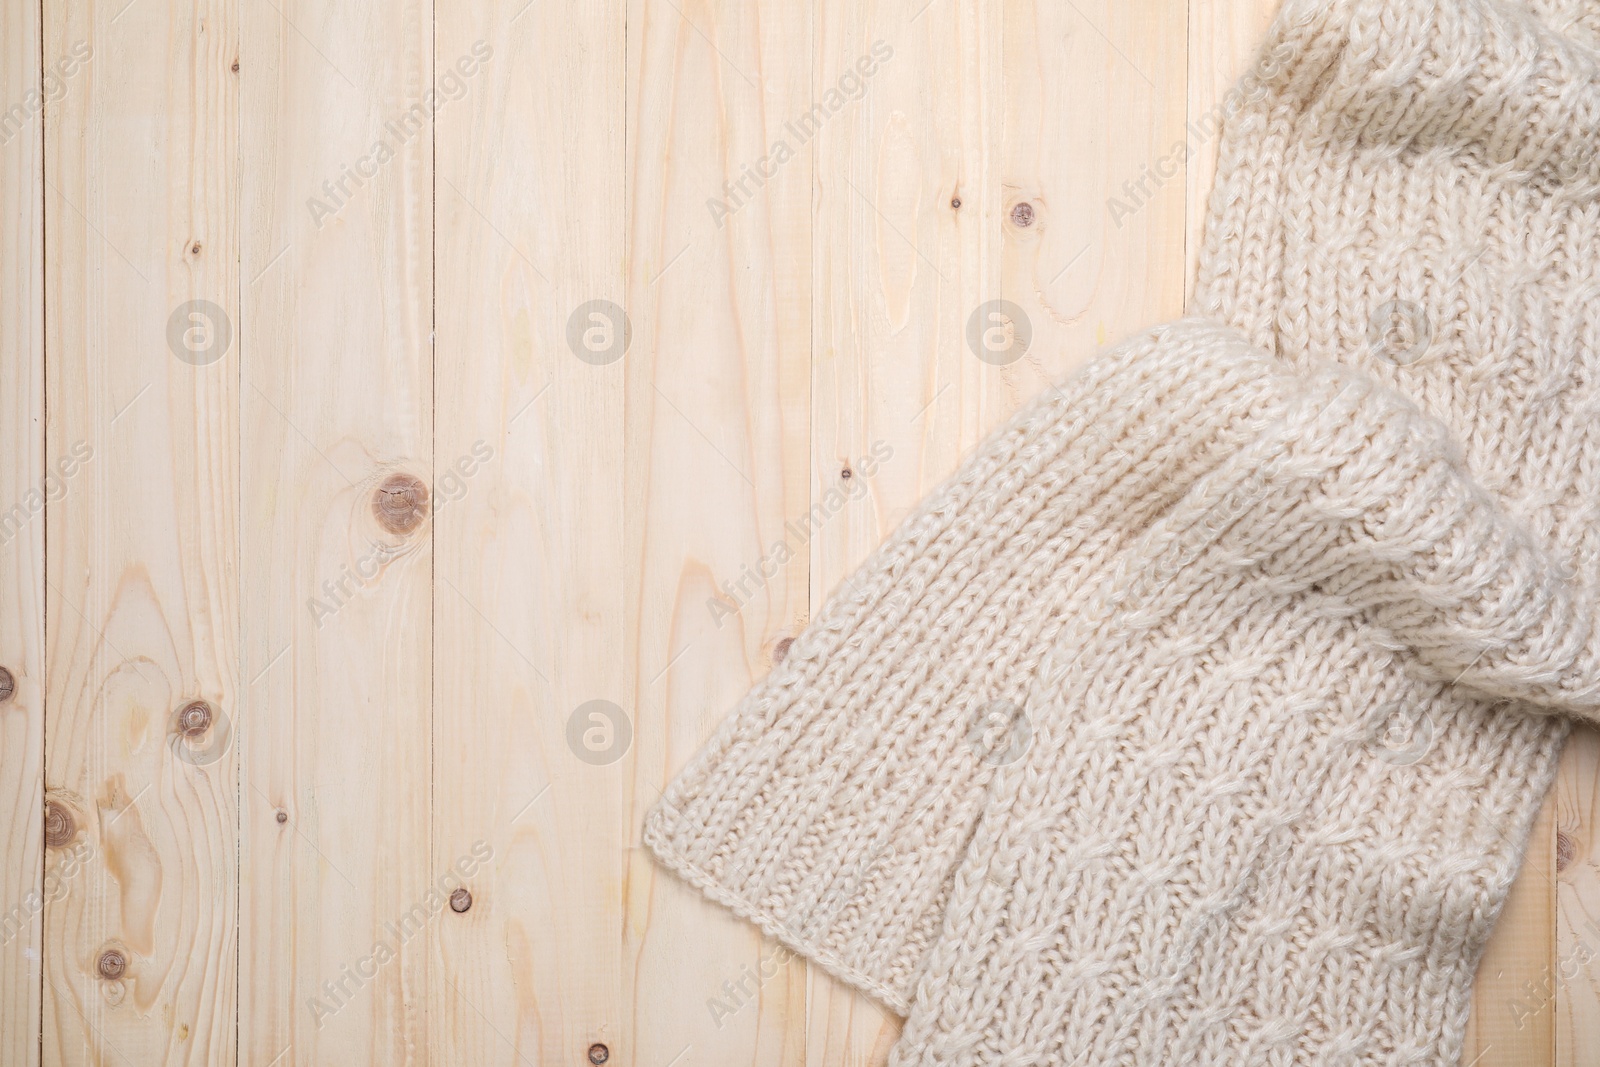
(834, 803)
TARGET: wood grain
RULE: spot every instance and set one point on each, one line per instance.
(1513, 1005)
(530, 600)
(1571, 978)
(141, 219)
(1094, 102)
(23, 497)
(337, 582)
(404, 215)
(719, 251)
(1224, 36)
(909, 209)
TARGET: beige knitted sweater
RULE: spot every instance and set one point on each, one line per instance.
(1202, 716)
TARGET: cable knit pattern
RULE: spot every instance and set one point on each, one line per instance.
(1203, 715)
(832, 807)
(1282, 782)
(1246, 832)
(1414, 189)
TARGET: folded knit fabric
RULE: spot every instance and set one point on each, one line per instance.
(1203, 716)
(1250, 829)
(1283, 781)
(1414, 189)
(832, 806)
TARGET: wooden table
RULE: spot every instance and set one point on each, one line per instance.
(367, 568)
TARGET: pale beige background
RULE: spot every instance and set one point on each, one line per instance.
(402, 698)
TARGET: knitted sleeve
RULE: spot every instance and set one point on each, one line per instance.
(832, 806)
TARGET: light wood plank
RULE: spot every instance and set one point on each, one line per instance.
(142, 607)
(719, 163)
(788, 317)
(24, 494)
(992, 144)
(337, 391)
(1225, 39)
(910, 209)
(1094, 103)
(530, 600)
(1513, 997)
(1575, 963)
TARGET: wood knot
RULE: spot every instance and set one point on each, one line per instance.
(955, 202)
(847, 474)
(112, 964)
(781, 649)
(1022, 214)
(598, 1053)
(460, 900)
(400, 503)
(1566, 850)
(59, 825)
(194, 249)
(282, 816)
(8, 685)
(194, 719)
(236, 66)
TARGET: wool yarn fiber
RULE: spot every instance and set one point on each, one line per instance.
(1202, 716)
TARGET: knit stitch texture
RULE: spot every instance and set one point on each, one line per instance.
(1203, 715)
(833, 805)
(1250, 829)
